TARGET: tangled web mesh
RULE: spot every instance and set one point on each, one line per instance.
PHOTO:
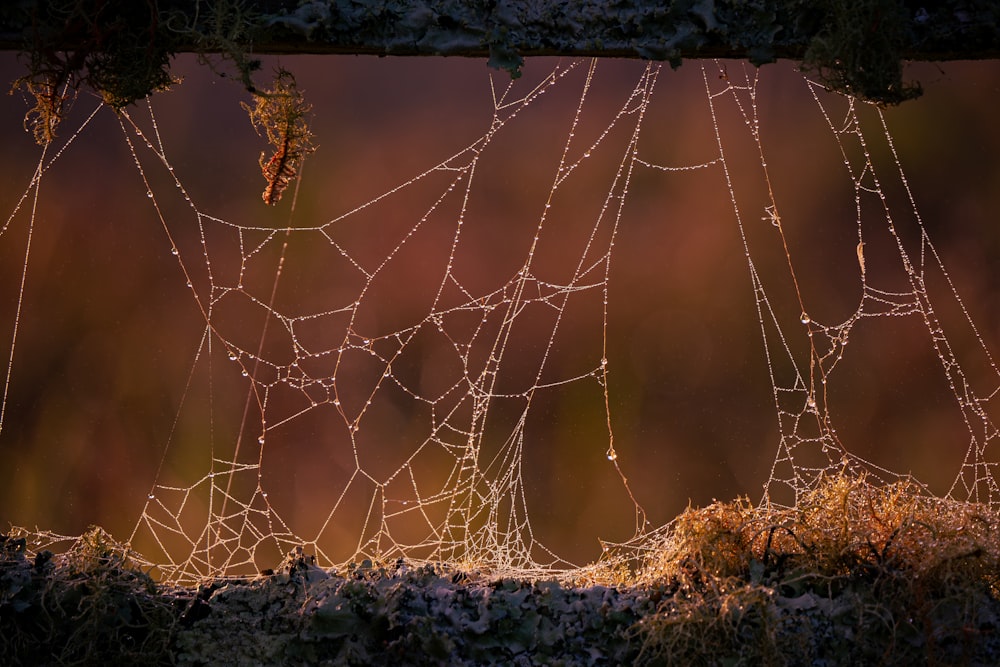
(397, 360)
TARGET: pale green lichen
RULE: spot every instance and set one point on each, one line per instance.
(414, 616)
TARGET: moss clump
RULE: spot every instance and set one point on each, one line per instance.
(856, 573)
(118, 48)
(121, 49)
(858, 50)
(85, 606)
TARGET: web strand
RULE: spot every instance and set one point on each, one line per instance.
(396, 364)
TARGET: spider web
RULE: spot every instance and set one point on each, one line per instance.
(376, 380)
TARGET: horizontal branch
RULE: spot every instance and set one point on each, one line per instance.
(858, 46)
(90, 607)
(505, 30)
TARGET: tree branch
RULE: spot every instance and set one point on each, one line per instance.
(857, 46)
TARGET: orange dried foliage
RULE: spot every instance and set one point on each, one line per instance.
(281, 114)
(43, 118)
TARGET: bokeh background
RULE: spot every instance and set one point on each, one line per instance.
(100, 406)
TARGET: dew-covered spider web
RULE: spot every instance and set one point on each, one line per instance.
(447, 344)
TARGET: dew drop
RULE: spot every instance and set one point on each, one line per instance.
(260, 440)
(804, 318)
(174, 252)
(151, 496)
(149, 193)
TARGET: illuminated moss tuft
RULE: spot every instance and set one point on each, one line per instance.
(281, 114)
(854, 573)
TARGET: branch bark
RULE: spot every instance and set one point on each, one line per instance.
(760, 30)
(858, 44)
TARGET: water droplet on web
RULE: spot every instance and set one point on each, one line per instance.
(232, 356)
(151, 496)
(612, 455)
(260, 440)
(149, 193)
(174, 252)
(804, 318)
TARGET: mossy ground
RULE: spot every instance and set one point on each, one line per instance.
(856, 573)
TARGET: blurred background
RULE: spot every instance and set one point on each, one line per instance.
(113, 389)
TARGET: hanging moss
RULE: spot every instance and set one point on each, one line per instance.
(120, 49)
(858, 51)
